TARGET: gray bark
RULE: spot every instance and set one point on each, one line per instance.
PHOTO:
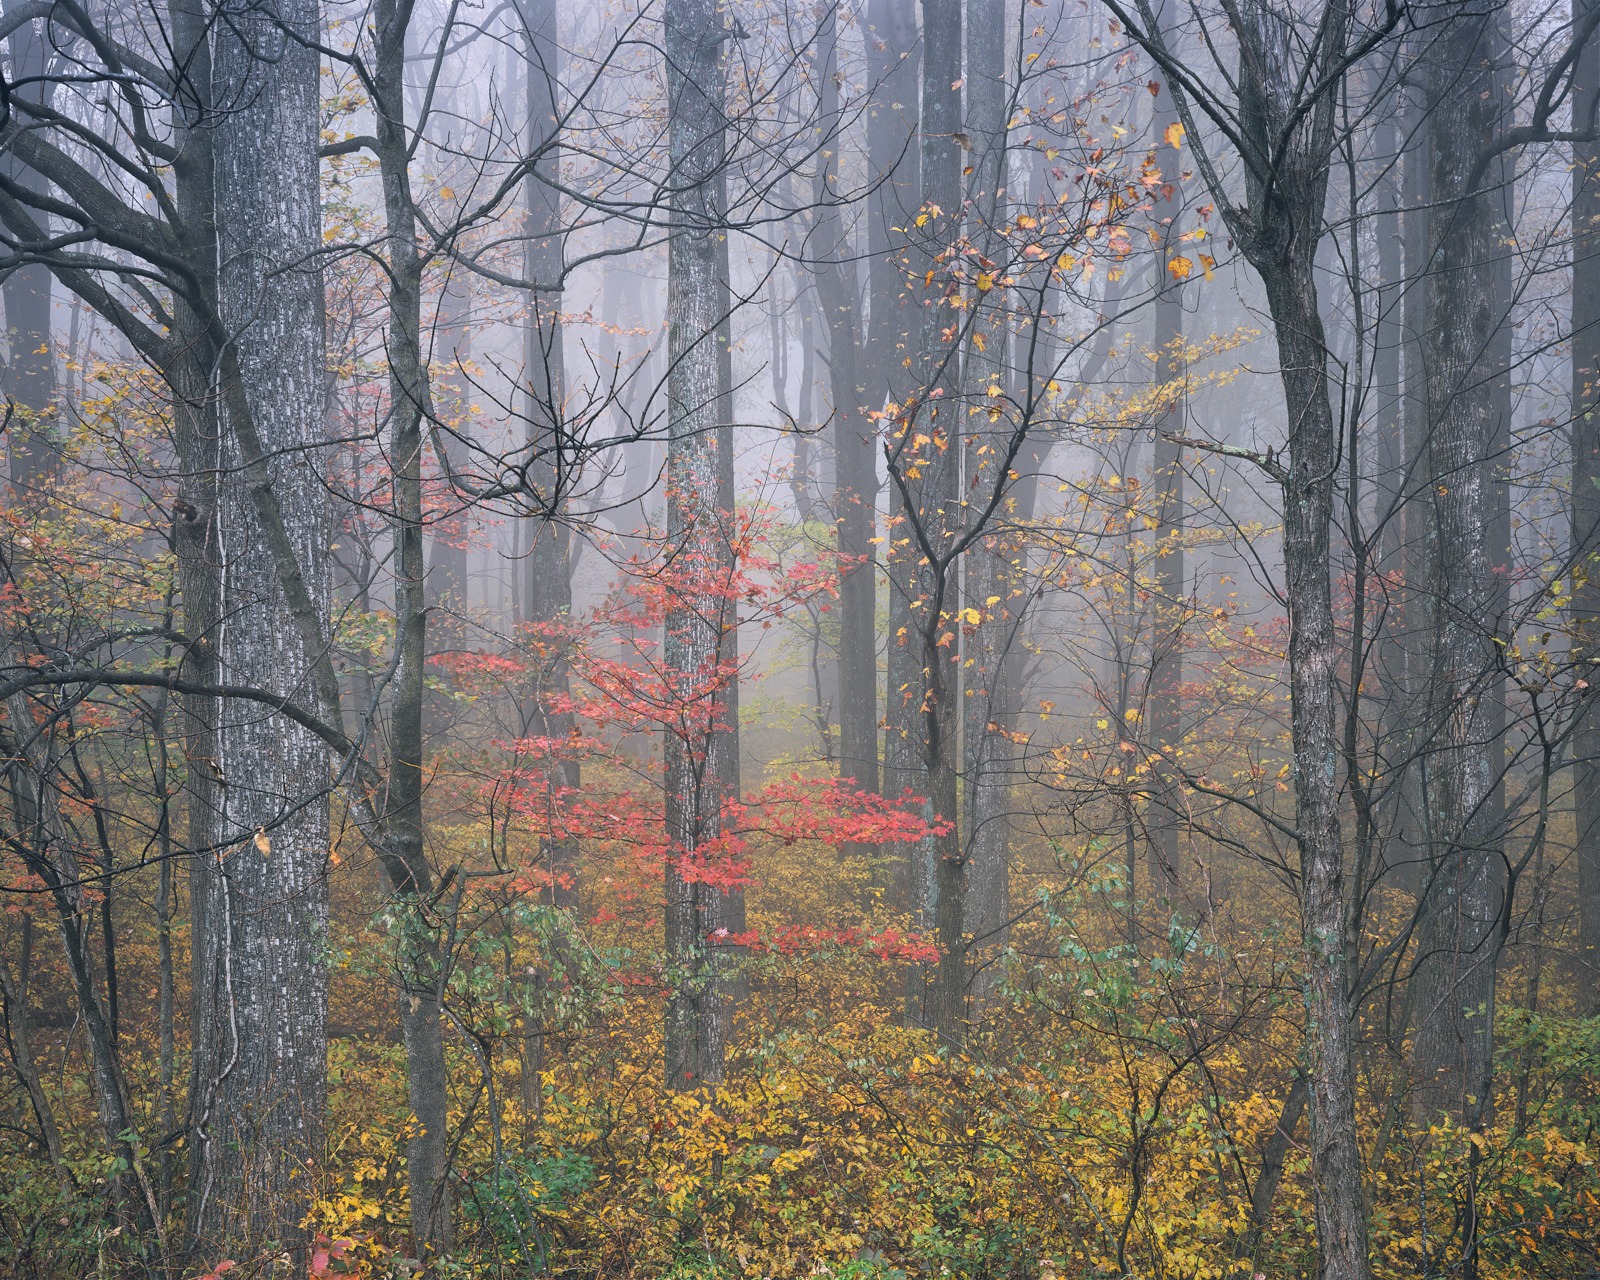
(1286, 135)
(991, 568)
(926, 472)
(894, 159)
(262, 1086)
(855, 489)
(698, 1013)
(1164, 726)
(27, 376)
(548, 598)
(422, 960)
(1463, 757)
(1586, 511)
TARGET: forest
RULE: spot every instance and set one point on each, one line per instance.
(844, 639)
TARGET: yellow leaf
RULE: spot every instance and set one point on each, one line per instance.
(1174, 134)
(1180, 267)
(985, 281)
(1208, 262)
(970, 616)
(447, 193)
(262, 843)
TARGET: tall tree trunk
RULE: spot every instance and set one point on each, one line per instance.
(1164, 727)
(854, 396)
(262, 1090)
(855, 471)
(1460, 934)
(198, 545)
(547, 599)
(894, 161)
(726, 908)
(992, 582)
(28, 381)
(1313, 681)
(1585, 551)
(928, 474)
(421, 963)
(1289, 143)
(1387, 462)
(698, 1021)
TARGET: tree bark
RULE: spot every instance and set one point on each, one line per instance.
(1586, 512)
(262, 1088)
(927, 464)
(854, 433)
(992, 585)
(421, 961)
(1465, 894)
(698, 1024)
(1164, 726)
(29, 379)
(894, 160)
(1287, 145)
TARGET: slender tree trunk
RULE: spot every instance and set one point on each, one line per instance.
(1412, 836)
(547, 599)
(1388, 463)
(992, 583)
(1164, 727)
(549, 591)
(421, 961)
(1281, 233)
(698, 1022)
(261, 1096)
(928, 466)
(1313, 679)
(894, 159)
(28, 381)
(854, 436)
(726, 908)
(1460, 934)
(198, 545)
(854, 433)
(1586, 511)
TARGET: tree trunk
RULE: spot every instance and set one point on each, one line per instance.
(894, 160)
(1586, 512)
(1314, 690)
(1164, 727)
(548, 597)
(928, 464)
(854, 434)
(28, 381)
(262, 1089)
(1460, 935)
(992, 584)
(421, 963)
(698, 1021)
(1281, 228)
